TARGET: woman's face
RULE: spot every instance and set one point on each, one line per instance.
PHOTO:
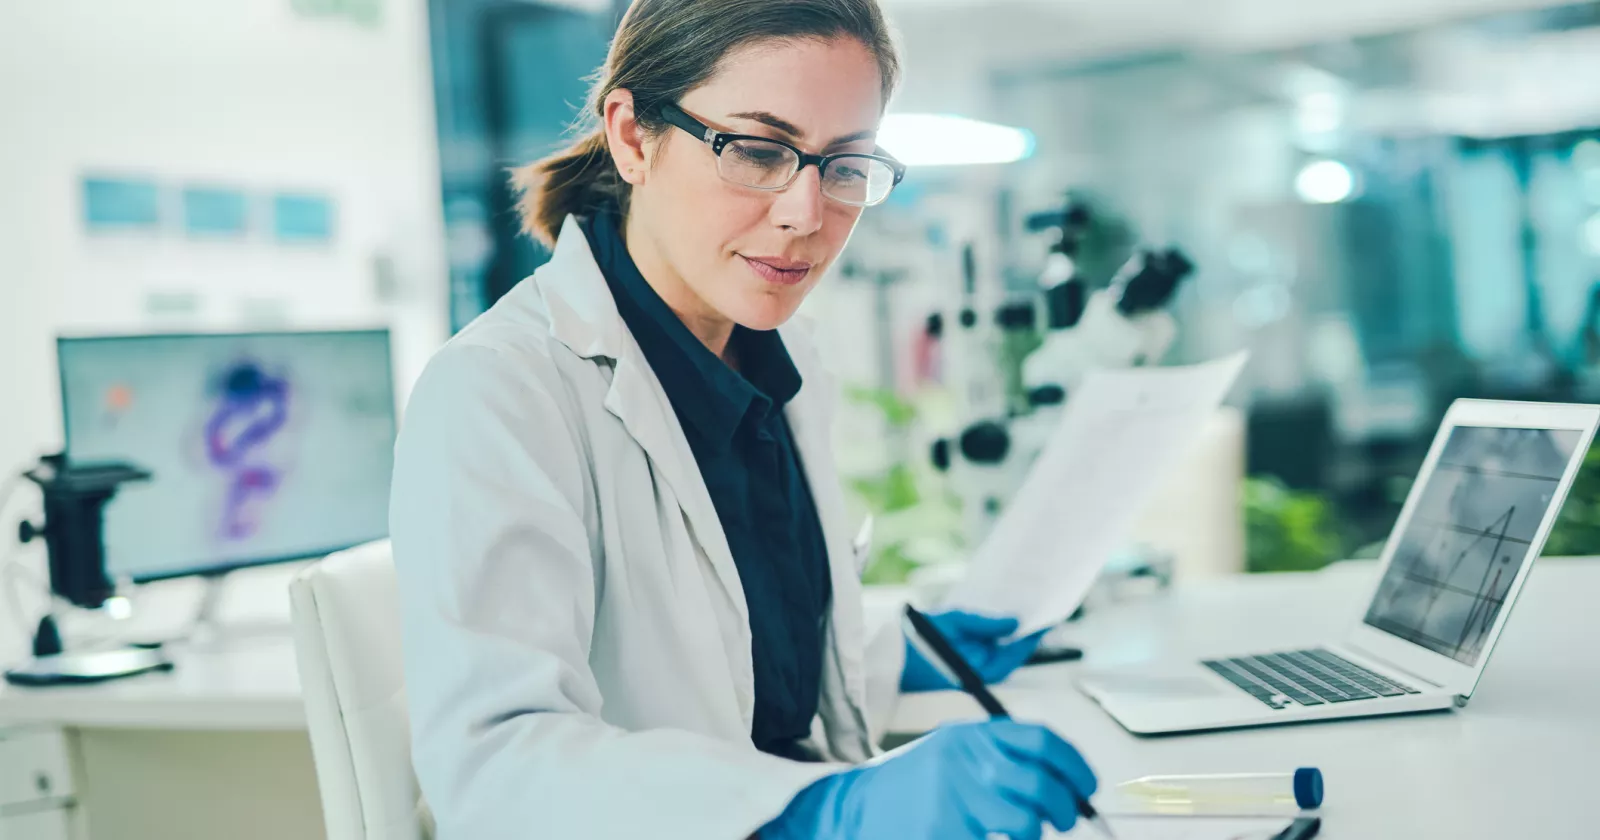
(732, 253)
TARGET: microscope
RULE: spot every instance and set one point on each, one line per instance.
(1122, 325)
(75, 496)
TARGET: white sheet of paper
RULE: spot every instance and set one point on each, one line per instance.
(1185, 828)
(1121, 433)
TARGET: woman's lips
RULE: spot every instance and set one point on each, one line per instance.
(778, 270)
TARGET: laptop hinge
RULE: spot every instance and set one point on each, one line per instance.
(1460, 699)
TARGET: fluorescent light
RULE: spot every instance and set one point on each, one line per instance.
(947, 140)
(1325, 182)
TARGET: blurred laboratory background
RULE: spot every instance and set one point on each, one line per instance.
(1390, 204)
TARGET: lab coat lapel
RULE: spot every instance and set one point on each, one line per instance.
(583, 315)
(638, 400)
(809, 415)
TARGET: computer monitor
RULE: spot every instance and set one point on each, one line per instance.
(265, 447)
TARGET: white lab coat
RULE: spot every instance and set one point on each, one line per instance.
(577, 643)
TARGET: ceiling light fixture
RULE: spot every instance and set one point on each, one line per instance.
(948, 140)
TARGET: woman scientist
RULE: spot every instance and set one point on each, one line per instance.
(627, 582)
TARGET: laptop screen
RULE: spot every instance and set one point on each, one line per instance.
(1470, 535)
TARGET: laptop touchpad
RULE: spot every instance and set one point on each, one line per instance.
(1155, 686)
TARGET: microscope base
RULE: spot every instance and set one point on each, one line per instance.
(89, 666)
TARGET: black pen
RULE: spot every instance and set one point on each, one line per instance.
(972, 684)
(1304, 828)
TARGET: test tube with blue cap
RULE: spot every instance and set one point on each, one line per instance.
(1226, 793)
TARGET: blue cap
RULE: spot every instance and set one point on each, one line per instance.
(1308, 787)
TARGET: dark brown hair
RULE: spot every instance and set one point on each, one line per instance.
(663, 50)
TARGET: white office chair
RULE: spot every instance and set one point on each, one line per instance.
(347, 638)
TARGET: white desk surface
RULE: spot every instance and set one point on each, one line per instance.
(249, 683)
(1516, 763)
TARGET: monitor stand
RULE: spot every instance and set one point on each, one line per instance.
(205, 630)
(208, 631)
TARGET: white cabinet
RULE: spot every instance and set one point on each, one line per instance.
(34, 765)
(50, 824)
(36, 787)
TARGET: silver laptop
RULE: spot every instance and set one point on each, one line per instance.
(1477, 516)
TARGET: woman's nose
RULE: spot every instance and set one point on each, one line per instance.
(798, 208)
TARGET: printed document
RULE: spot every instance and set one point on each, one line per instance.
(1121, 433)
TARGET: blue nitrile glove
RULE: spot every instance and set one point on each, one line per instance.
(961, 782)
(979, 640)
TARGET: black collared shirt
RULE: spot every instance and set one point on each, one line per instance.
(736, 428)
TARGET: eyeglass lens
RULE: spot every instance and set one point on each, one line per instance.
(851, 179)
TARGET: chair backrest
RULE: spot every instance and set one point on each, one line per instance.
(347, 640)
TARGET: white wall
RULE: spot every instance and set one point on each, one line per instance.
(243, 93)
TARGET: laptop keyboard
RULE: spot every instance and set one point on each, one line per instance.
(1307, 677)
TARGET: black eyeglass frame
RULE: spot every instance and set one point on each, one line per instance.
(719, 140)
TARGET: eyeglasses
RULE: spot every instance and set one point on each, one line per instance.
(765, 164)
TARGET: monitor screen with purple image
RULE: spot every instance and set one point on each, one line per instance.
(265, 447)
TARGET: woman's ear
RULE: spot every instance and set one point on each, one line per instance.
(624, 136)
